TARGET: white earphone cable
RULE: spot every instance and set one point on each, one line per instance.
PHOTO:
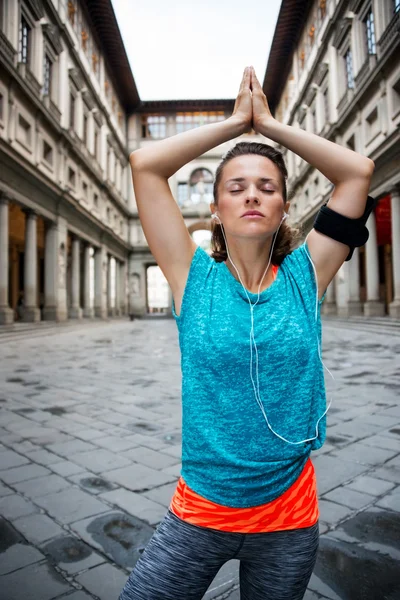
(256, 386)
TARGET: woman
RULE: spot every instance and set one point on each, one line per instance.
(249, 330)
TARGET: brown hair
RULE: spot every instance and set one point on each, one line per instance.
(287, 237)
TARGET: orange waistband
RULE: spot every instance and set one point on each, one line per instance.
(295, 509)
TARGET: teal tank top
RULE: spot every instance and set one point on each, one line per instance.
(229, 455)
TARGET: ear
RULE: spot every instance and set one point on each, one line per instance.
(286, 207)
(213, 208)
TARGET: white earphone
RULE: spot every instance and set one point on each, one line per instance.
(256, 388)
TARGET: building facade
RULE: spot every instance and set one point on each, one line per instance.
(71, 243)
(65, 98)
(342, 81)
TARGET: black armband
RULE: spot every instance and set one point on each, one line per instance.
(352, 232)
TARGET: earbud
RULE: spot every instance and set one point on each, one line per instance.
(285, 216)
(215, 217)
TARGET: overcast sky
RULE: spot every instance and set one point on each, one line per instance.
(182, 49)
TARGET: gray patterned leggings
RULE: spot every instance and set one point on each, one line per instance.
(181, 560)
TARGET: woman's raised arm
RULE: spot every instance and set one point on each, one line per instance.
(349, 172)
(160, 216)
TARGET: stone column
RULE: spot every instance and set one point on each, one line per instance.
(31, 313)
(354, 304)
(75, 311)
(110, 307)
(88, 311)
(394, 307)
(6, 314)
(50, 273)
(100, 283)
(329, 305)
(373, 306)
(117, 288)
(122, 284)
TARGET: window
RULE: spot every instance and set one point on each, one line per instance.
(24, 41)
(183, 194)
(372, 122)
(84, 190)
(313, 119)
(201, 186)
(85, 128)
(96, 142)
(108, 215)
(326, 105)
(348, 60)
(190, 120)
(71, 177)
(1, 107)
(96, 201)
(154, 126)
(72, 103)
(47, 153)
(24, 131)
(396, 97)
(396, 6)
(370, 32)
(47, 74)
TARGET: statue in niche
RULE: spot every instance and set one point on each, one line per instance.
(135, 284)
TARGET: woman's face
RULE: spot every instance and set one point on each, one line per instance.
(250, 183)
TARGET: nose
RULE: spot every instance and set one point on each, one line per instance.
(252, 195)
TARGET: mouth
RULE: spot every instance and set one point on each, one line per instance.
(252, 214)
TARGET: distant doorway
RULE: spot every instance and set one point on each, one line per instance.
(158, 294)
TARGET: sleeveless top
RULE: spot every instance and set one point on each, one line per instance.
(229, 454)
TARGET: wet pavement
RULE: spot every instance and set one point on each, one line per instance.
(90, 454)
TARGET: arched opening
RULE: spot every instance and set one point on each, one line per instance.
(200, 187)
(202, 238)
(158, 294)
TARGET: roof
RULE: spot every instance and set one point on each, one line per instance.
(289, 27)
(186, 105)
(105, 24)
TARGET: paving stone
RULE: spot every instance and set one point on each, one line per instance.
(12, 507)
(163, 494)
(136, 505)
(89, 434)
(67, 449)
(43, 457)
(151, 458)
(175, 451)
(66, 468)
(92, 483)
(349, 497)
(371, 485)
(332, 472)
(104, 581)
(71, 555)
(41, 486)
(100, 460)
(139, 477)
(38, 528)
(115, 444)
(225, 579)
(174, 470)
(366, 455)
(78, 596)
(71, 505)
(391, 501)
(5, 490)
(381, 441)
(18, 556)
(387, 473)
(318, 586)
(10, 459)
(39, 582)
(23, 473)
(332, 513)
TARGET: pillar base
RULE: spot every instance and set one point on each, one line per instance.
(374, 308)
(31, 314)
(394, 309)
(88, 313)
(112, 312)
(100, 312)
(6, 315)
(75, 313)
(351, 309)
(328, 308)
(52, 313)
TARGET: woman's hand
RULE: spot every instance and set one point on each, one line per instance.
(242, 111)
(261, 112)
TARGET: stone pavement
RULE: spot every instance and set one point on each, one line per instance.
(90, 454)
